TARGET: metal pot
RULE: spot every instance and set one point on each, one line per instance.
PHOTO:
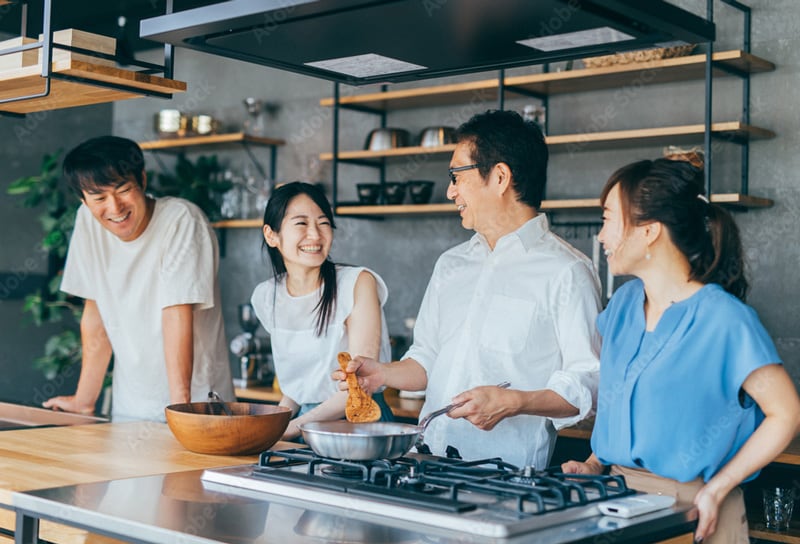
(380, 139)
(437, 136)
(360, 441)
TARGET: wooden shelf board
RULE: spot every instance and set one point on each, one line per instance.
(792, 536)
(238, 224)
(390, 153)
(581, 80)
(567, 204)
(67, 94)
(791, 455)
(211, 139)
(674, 135)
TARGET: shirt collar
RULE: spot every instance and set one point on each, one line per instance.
(527, 235)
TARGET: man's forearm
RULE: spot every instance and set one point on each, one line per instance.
(95, 356)
(177, 326)
(543, 402)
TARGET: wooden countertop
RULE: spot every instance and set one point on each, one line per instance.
(57, 456)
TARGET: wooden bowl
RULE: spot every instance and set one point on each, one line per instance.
(201, 427)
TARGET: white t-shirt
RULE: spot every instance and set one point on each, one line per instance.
(304, 361)
(174, 261)
(523, 313)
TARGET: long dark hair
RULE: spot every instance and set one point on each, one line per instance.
(672, 193)
(273, 216)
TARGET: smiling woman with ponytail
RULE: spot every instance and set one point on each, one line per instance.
(693, 397)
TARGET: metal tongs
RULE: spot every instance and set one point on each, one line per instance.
(423, 424)
(214, 398)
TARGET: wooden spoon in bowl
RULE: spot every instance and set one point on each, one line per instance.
(360, 408)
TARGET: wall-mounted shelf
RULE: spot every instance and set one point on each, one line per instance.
(181, 145)
(233, 138)
(733, 200)
(77, 83)
(676, 135)
(550, 83)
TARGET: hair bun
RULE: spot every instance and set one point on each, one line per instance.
(694, 156)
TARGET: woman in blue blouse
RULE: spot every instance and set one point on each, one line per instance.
(693, 399)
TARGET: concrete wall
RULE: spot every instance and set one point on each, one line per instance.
(403, 250)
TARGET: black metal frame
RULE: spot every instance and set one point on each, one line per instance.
(745, 77)
(46, 45)
(502, 88)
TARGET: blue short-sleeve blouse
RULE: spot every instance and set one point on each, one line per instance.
(670, 400)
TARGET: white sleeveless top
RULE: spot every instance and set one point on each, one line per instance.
(304, 361)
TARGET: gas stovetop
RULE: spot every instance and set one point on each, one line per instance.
(485, 497)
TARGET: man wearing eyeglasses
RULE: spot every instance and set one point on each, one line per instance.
(514, 303)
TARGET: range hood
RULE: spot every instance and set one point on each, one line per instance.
(373, 41)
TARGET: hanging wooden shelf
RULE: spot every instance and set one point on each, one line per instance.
(66, 93)
(233, 138)
(732, 200)
(676, 135)
(550, 83)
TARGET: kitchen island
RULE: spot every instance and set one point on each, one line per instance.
(59, 456)
(135, 482)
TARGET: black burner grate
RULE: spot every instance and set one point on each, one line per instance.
(443, 484)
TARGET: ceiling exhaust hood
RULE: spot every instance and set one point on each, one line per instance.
(373, 41)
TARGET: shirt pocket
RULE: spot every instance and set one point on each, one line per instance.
(507, 324)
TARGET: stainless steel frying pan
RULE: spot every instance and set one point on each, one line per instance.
(367, 441)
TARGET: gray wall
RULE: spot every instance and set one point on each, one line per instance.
(25, 141)
(403, 250)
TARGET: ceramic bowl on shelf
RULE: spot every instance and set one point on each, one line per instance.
(420, 191)
(394, 192)
(368, 193)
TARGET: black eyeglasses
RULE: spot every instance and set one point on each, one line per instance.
(452, 171)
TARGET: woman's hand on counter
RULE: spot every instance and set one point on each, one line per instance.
(591, 466)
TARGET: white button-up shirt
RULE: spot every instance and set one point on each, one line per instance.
(524, 312)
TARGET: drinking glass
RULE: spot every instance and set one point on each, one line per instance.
(778, 506)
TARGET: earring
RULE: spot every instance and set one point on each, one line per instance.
(647, 255)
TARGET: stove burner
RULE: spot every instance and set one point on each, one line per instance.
(449, 483)
(490, 496)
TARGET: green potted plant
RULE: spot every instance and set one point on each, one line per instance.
(199, 182)
(57, 207)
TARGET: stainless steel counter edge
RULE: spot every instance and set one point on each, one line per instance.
(172, 508)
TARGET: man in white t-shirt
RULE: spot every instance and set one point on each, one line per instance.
(147, 270)
(514, 303)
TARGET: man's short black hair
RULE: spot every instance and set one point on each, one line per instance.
(107, 161)
(504, 136)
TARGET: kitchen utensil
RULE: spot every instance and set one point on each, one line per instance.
(436, 136)
(171, 124)
(251, 428)
(202, 125)
(368, 193)
(367, 441)
(381, 139)
(420, 191)
(215, 400)
(394, 192)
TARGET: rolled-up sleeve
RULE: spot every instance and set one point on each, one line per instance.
(577, 304)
